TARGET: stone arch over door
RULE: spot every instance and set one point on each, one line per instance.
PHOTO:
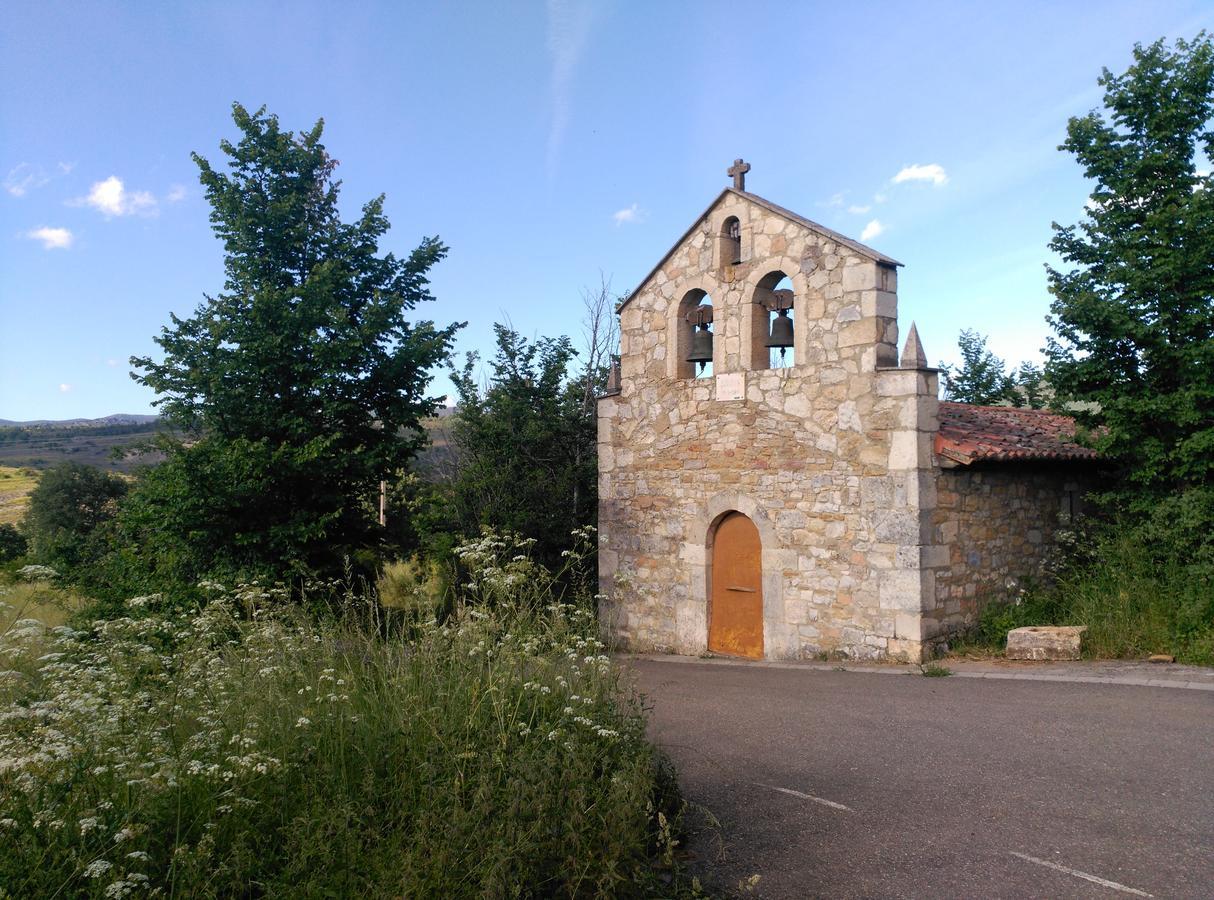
(692, 613)
(735, 587)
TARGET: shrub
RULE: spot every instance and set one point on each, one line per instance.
(249, 748)
(12, 543)
(70, 504)
(420, 588)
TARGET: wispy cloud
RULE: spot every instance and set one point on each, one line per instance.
(112, 363)
(24, 178)
(879, 198)
(568, 28)
(52, 238)
(176, 194)
(629, 215)
(932, 172)
(871, 230)
(858, 210)
(111, 198)
(64, 388)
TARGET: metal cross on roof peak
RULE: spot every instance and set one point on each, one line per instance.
(738, 170)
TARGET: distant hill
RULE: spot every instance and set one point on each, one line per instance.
(111, 442)
(118, 442)
(116, 419)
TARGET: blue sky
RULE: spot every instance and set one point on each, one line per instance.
(546, 143)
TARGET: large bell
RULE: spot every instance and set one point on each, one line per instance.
(701, 346)
(781, 332)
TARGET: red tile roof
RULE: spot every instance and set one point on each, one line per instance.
(970, 434)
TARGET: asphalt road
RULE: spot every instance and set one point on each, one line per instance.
(844, 784)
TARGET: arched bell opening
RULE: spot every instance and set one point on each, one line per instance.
(731, 242)
(735, 586)
(695, 329)
(772, 322)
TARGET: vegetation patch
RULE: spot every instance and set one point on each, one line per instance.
(248, 746)
(16, 484)
(30, 593)
(1134, 599)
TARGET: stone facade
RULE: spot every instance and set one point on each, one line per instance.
(831, 458)
(998, 522)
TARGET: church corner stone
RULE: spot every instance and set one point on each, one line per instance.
(830, 457)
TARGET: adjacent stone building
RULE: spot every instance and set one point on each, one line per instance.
(816, 498)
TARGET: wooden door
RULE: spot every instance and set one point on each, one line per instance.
(735, 614)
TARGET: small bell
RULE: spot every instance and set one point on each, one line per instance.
(781, 332)
(701, 346)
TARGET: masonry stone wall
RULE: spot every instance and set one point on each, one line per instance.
(831, 457)
(998, 523)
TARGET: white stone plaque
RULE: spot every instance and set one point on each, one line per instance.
(731, 386)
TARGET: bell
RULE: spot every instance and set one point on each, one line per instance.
(701, 346)
(781, 332)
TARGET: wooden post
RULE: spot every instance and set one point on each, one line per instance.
(383, 503)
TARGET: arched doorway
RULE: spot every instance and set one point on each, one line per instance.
(735, 613)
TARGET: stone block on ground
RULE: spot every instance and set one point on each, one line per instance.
(1045, 642)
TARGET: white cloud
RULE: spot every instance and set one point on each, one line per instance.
(628, 215)
(871, 230)
(834, 201)
(24, 178)
(932, 172)
(858, 210)
(112, 363)
(879, 198)
(66, 168)
(52, 238)
(64, 388)
(111, 198)
(176, 193)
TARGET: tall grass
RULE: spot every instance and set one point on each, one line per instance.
(249, 750)
(31, 593)
(1133, 602)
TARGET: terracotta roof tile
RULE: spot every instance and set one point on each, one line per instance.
(970, 434)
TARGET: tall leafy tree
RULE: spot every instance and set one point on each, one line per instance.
(68, 507)
(525, 443)
(981, 377)
(301, 383)
(1133, 309)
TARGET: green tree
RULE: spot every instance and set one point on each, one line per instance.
(1133, 309)
(67, 510)
(301, 383)
(1030, 389)
(525, 444)
(981, 378)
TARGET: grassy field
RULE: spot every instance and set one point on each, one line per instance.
(15, 487)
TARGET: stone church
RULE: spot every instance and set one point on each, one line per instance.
(777, 481)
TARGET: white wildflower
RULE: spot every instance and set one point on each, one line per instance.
(97, 868)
